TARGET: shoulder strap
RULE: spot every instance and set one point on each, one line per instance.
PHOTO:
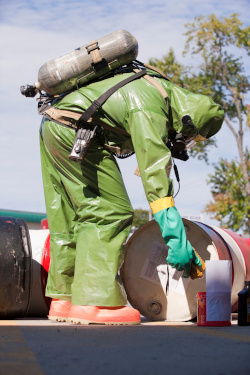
(155, 83)
(102, 99)
(70, 118)
(156, 70)
(76, 120)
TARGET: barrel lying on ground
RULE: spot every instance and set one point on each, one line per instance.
(157, 290)
(22, 274)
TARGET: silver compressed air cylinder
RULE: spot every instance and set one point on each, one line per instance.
(87, 63)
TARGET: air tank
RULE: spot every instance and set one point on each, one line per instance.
(87, 63)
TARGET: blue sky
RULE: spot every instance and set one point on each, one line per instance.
(34, 32)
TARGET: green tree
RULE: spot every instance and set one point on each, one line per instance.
(175, 71)
(218, 45)
(230, 205)
(140, 217)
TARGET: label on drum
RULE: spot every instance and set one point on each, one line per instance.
(155, 267)
(177, 283)
(157, 271)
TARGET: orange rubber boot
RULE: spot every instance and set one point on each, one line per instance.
(59, 310)
(120, 315)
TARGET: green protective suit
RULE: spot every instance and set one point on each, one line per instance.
(88, 209)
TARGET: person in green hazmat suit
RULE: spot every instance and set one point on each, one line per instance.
(88, 209)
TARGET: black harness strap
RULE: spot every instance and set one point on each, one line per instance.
(102, 99)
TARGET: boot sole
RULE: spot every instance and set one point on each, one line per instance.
(58, 319)
(87, 322)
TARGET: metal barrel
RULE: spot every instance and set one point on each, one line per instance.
(158, 291)
(15, 268)
(22, 273)
(87, 63)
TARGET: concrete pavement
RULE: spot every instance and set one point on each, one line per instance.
(40, 346)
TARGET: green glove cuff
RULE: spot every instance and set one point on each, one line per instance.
(181, 253)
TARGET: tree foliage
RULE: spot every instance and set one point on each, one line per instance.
(230, 204)
(140, 217)
(175, 71)
(218, 45)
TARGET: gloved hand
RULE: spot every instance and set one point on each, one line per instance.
(181, 254)
(196, 270)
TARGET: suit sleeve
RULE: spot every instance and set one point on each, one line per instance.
(148, 131)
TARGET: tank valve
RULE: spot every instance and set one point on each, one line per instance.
(29, 91)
